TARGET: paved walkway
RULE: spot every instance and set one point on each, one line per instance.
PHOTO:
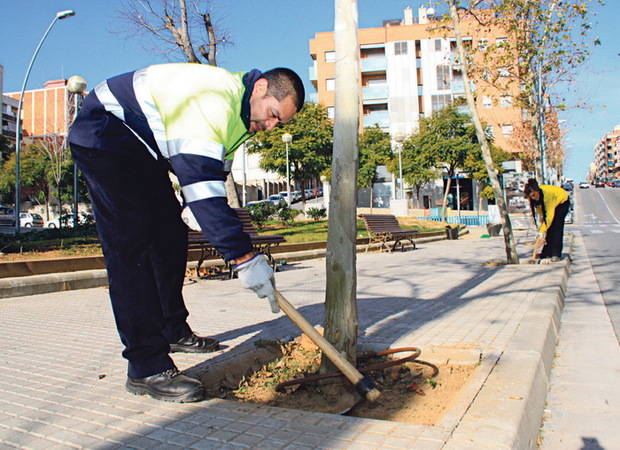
(61, 373)
(583, 404)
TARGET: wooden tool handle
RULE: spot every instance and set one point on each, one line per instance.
(363, 384)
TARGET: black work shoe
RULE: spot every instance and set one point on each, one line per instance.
(195, 344)
(169, 386)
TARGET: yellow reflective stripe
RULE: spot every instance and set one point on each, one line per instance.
(109, 101)
(145, 100)
(203, 189)
(194, 146)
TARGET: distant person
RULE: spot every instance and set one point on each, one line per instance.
(131, 131)
(550, 204)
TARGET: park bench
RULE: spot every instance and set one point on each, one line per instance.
(260, 243)
(384, 228)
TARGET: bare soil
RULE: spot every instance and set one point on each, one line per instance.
(410, 392)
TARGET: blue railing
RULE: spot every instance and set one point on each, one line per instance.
(375, 92)
(472, 221)
(374, 64)
(382, 118)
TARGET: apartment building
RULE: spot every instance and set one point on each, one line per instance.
(606, 165)
(47, 110)
(8, 112)
(409, 69)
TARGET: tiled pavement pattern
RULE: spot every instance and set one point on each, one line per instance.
(61, 373)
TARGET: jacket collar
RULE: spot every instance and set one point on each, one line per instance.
(248, 82)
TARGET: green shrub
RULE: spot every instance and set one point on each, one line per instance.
(316, 213)
(286, 214)
(261, 212)
(48, 239)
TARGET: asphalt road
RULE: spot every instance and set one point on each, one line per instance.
(598, 220)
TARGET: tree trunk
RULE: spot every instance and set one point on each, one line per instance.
(231, 192)
(444, 209)
(511, 248)
(340, 298)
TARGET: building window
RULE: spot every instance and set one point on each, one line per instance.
(503, 72)
(483, 44)
(489, 131)
(330, 84)
(443, 77)
(501, 41)
(331, 112)
(437, 45)
(507, 130)
(486, 101)
(400, 48)
(330, 56)
(440, 101)
(505, 101)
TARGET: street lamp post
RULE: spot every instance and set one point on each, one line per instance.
(287, 139)
(59, 16)
(77, 86)
(400, 138)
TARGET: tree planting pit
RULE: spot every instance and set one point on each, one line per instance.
(412, 392)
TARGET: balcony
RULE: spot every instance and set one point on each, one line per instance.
(381, 118)
(458, 87)
(376, 92)
(374, 64)
(312, 73)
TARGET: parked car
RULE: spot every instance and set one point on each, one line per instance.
(66, 221)
(30, 220)
(568, 187)
(615, 183)
(584, 185)
(309, 193)
(295, 196)
(599, 184)
(277, 199)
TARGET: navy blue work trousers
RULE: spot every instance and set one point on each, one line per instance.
(144, 243)
(555, 233)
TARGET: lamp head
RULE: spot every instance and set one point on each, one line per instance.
(76, 84)
(65, 14)
(287, 138)
(399, 137)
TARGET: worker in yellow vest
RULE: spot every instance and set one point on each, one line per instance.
(550, 204)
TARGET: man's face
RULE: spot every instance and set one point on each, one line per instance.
(266, 112)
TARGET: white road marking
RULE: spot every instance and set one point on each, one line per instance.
(607, 206)
(596, 231)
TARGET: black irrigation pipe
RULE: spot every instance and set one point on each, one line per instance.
(369, 368)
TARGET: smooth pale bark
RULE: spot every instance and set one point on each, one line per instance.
(511, 248)
(340, 298)
(231, 192)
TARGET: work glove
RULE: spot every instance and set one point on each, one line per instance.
(256, 274)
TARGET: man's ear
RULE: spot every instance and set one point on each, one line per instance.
(260, 87)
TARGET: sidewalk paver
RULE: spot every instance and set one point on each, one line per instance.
(61, 374)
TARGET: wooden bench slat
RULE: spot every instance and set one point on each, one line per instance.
(260, 243)
(383, 228)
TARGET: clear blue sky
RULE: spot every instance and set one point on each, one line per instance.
(265, 34)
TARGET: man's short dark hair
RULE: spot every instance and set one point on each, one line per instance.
(284, 82)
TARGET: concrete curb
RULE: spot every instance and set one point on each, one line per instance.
(507, 412)
(84, 279)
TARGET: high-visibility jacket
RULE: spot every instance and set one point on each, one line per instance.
(193, 115)
(553, 196)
